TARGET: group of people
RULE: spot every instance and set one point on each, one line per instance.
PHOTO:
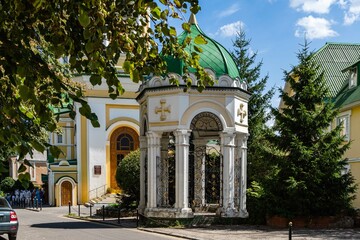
(26, 197)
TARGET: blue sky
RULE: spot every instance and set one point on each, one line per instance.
(277, 28)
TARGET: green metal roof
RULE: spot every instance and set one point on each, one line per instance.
(333, 58)
(70, 161)
(213, 56)
(348, 95)
(63, 107)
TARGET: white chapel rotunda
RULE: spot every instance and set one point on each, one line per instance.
(194, 145)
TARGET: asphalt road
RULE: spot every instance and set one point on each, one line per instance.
(50, 224)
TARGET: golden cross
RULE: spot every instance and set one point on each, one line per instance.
(241, 112)
(162, 110)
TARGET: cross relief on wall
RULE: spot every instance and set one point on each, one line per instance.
(241, 112)
(162, 110)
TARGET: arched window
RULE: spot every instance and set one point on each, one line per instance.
(124, 142)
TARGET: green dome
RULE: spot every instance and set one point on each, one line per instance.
(214, 56)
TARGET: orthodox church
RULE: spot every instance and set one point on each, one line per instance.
(193, 145)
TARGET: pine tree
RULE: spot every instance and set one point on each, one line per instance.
(258, 115)
(258, 106)
(308, 180)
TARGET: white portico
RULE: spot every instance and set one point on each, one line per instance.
(193, 145)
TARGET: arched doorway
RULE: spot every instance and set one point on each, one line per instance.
(205, 162)
(123, 140)
(66, 193)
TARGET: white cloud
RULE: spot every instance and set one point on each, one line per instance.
(315, 6)
(229, 11)
(352, 12)
(231, 29)
(314, 28)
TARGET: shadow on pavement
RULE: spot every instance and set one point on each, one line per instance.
(71, 225)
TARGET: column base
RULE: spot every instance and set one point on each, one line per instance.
(243, 213)
(232, 212)
(141, 209)
(168, 213)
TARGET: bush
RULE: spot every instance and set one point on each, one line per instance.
(128, 175)
(7, 184)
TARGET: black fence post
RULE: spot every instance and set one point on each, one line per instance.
(103, 212)
(40, 204)
(290, 230)
(118, 213)
(137, 218)
(90, 210)
(79, 210)
(69, 208)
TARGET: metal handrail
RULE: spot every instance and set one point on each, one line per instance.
(99, 191)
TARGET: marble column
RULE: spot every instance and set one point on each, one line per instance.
(182, 173)
(143, 148)
(153, 140)
(242, 143)
(228, 151)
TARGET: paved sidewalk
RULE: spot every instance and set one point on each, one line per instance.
(255, 232)
(214, 232)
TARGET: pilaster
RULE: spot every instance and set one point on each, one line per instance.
(143, 147)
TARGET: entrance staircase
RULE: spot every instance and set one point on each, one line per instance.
(105, 199)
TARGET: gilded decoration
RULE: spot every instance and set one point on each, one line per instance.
(162, 110)
(241, 112)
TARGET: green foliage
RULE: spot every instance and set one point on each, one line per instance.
(7, 184)
(91, 35)
(258, 116)
(307, 178)
(23, 185)
(258, 106)
(128, 175)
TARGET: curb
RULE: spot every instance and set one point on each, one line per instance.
(140, 229)
(167, 234)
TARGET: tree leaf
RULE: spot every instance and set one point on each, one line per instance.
(84, 19)
(186, 26)
(95, 79)
(156, 12)
(22, 168)
(200, 39)
(198, 49)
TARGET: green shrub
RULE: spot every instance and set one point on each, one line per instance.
(128, 175)
(7, 184)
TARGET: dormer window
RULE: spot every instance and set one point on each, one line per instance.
(353, 77)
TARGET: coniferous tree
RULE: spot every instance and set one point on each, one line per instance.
(258, 115)
(308, 180)
(258, 106)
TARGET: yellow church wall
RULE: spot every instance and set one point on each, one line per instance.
(107, 164)
(84, 160)
(353, 154)
(59, 175)
(355, 171)
(354, 151)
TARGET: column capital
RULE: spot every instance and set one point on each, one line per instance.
(228, 138)
(153, 138)
(143, 142)
(242, 139)
(182, 136)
